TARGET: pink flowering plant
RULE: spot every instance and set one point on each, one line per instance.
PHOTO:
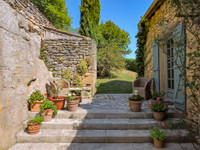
(158, 106)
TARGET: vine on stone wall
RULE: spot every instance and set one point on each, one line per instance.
(43, 54)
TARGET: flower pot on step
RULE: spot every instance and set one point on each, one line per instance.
(158, 144)
(135, 106)
(35, 107)
(59, 102)
(47, 114)
(159, 115)
(72, 105)
(33, 128)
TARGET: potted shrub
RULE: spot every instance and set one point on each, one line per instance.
(59, 101)
(156, 95)
(33, 126)
(35, 100)
(135, 102)
(72, 102)
(48, 110)
(158, 137)
(158, 108)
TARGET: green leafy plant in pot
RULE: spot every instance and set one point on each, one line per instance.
(72, 102)
(48, 110)
(158, 137)
(156, 95)
(135, 102)
(159, 108)
(35, 100)
(33, 126)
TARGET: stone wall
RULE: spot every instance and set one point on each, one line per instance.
(66, 54)
(167, 13)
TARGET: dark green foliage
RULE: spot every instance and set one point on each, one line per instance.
(48, 105)
(159, 106)
(157, 134)
(109, 59)
(111, 34)
(130, 64)
(36, 96)
(55, 11)
(135, 98)
(90, 15)
(37, 119)
(158, 94)
(141, 41)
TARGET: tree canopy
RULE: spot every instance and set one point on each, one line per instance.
(55, 11)
(90, 15)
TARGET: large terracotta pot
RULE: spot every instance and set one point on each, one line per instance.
(135, 106)
(35, 107)
(59, 102)
(72, 105)
(47, 114)
(33, 128)
(80, 99)
(158, 115)
(158, 144)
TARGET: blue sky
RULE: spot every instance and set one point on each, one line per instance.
(124, 13)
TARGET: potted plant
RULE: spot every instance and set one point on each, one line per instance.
(35, 100)
(33, 126)
(48, 110)
(59, 101)
(72, 102)
(156, 95)
(158, 137)
(135, 102)
(77, 93)
(158, 108)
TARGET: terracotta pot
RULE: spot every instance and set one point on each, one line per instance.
(135, 106)
(59, 102)
(35, 107)
(72, 105)
(47, 114)
(33, 128)
(158, 115)
(158, 144)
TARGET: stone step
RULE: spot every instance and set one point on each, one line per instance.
(104, 124)
(102, 146)
(110, 113)
(98, 136)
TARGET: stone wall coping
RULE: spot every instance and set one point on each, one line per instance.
(81, 89)
(67, 33)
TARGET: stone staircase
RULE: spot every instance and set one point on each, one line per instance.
(96, 128)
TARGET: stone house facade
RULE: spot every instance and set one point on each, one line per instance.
(165, 26)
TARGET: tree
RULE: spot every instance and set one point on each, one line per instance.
(55, 11)
(90, 15)
(109, 59)
(130, 64)
(112, 34)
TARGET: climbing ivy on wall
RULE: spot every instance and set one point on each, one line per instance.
(141, 41)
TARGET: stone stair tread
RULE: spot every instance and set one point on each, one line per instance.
(98, 136)
(102, 146)
(110, 113)
(111, 124)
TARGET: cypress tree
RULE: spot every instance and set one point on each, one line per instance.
(90, 15)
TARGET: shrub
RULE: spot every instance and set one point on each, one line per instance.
(159, 106)
(158, 94)
(48, 105)
(36, 96)
(89, 61)
(82, 67)
(37, 119)
(66, 74)
(77, 81)
(130, 64)
(157, 134)
(135, 98)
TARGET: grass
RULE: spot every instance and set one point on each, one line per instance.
(121, 83)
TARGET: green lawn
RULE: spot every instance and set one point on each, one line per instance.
(122, 83)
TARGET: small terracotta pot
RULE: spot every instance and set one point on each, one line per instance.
(33, 128)
(158, 115)
(47, 114)
(72, 105)
(158, 144)
(35, 107)
(59, 102)
(135, 106)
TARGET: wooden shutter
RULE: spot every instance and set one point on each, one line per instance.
(156, 71)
